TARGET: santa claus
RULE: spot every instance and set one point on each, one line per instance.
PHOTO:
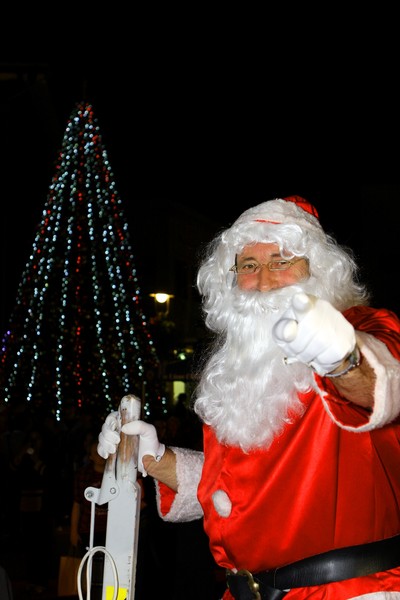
(298, 482)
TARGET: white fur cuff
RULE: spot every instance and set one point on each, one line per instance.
(387, 386)
(185, 506)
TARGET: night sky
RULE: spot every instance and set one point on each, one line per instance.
(170, 141)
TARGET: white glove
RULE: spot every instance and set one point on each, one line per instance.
(312, 331)
(109, 437)
(148, 441)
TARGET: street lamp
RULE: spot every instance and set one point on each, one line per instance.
(161, 301)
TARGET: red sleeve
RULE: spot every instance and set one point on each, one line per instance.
(166, 498)
(379, 322)
(383, 325)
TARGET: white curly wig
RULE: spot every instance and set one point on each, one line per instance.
(246, 391)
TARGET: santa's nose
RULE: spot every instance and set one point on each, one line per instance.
(267, 280)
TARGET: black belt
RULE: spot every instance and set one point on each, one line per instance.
(328, 567)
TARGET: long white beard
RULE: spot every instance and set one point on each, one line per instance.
(247, 392)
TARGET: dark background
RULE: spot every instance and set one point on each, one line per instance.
(178, 133)
(171, 142)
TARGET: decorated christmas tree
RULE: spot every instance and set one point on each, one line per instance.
(77, 332)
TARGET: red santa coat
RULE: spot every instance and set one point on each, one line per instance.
(330, 480)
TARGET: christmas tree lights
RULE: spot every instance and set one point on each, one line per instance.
(77, 332)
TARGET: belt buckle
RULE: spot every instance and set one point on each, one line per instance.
(254, 587)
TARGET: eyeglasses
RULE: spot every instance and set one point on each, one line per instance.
(252, 267)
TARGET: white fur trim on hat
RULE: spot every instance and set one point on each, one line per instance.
(280, 211)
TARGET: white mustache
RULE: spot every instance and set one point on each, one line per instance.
(246, 303)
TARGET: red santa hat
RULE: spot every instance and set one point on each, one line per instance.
(293, 210)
